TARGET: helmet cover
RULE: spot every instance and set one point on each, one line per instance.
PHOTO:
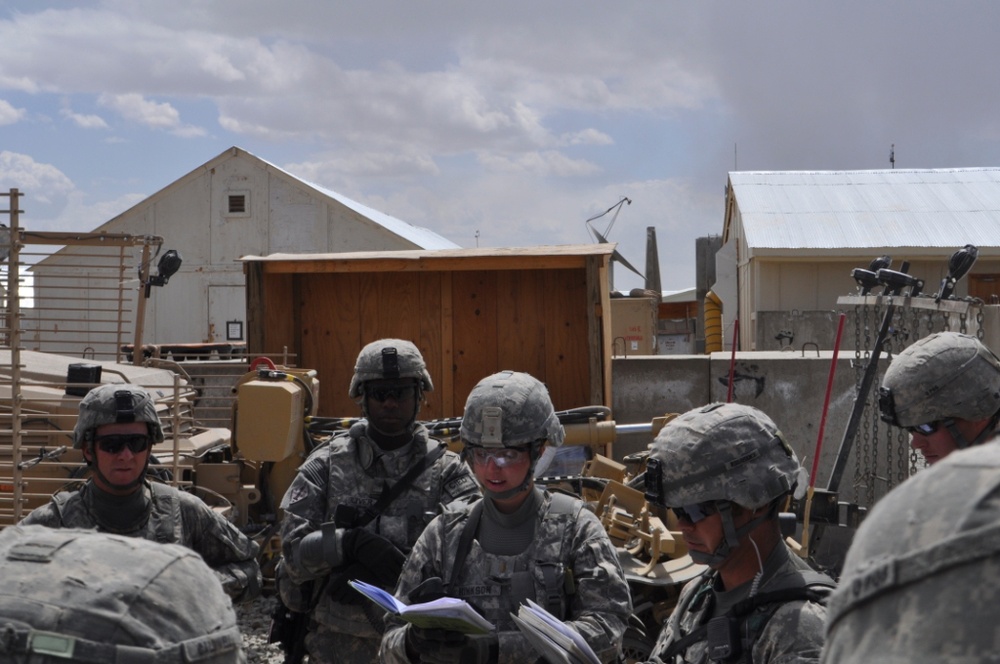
(84, 596)
(921, 579)
(510, 409)
(114, 403)
(389, 359)
(943, 375)
(723, 452)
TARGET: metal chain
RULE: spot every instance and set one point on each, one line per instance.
(963, 326)
(979, 320)
(899, 443)
(860, 321)
(868, 467)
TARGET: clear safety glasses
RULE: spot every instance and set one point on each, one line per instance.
(502, 457)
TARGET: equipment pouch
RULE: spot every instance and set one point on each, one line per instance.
(723, 639)
(297, 597)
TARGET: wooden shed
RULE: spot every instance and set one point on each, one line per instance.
(544, 310)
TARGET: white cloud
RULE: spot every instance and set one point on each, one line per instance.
(43, 182)
(546, 163)
(9, 114)
(155, 115)
(88, 121)
(589, 136)
(327, 171)
(135, 108)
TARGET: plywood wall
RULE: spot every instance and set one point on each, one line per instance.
(468, 323)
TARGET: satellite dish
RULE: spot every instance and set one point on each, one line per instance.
(602, 237)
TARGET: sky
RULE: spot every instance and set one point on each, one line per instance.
(493, 124)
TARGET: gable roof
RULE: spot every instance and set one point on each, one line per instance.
(934, 208)
(424, 238)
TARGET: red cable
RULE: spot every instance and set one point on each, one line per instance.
(826, 401)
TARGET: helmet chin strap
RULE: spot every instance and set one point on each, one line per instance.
(411, 424)
(732, 535)
(960, 441)
(129, 486)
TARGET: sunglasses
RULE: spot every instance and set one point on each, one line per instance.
(501, 457)
(695, 513)
(396, 393)
(114, 444)
(929, 428)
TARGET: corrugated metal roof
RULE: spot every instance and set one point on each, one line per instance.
(868, 209)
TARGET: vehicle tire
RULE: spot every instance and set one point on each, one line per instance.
(636, 645)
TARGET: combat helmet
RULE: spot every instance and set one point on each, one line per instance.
(511, 409)
(389, 359)
(113, 403)
(71, 595)
(920, 580)
(944, 375)
(722, 454)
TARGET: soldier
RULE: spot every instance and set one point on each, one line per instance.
(359, 503)
(921, 576)
(116, 430)
(945, 390)
(725, 470)
(81, 596)
(518, 543)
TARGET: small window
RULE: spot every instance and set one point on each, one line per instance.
(238, 203)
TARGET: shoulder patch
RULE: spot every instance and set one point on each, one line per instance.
(297, 493)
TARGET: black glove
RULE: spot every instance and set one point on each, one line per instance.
(376, 553)
(428, 590)
(441, 646)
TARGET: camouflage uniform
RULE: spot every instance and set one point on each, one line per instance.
(173, 517)
(575, 542)
(793, 633)
(568, 564)
(922, 576)
(352, 470)
(161, 513)
(726, 455)
(92, 598)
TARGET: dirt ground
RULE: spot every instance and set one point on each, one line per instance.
(255, 621)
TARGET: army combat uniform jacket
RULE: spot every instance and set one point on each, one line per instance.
(571, 569)
(352, 471)
(175, 517)
(789, 632)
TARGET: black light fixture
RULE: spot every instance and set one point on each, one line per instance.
(868, 279)
(167, 267)
(958, 265)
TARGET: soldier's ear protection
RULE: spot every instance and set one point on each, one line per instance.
(654, 482)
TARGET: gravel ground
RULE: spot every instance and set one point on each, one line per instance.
(255, 621)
